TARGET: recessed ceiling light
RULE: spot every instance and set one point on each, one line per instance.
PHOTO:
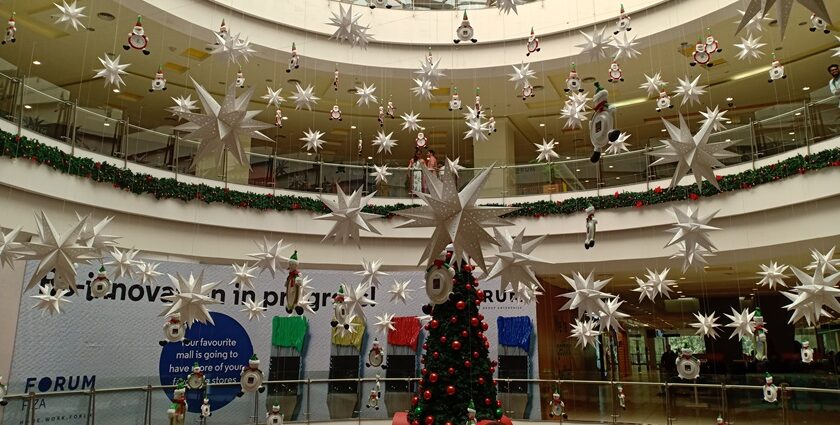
(309, 154)
(586, 181)
(806, 88)
(107, 124)
(618, 178)
(542, 124)
(611, 166)
(577, 170)
(27, 106)
(729, 99)
(663, 130)
(36, 62)
(568, 157)
(352, 127)
(682, 278)
(116, 90)
(729, 121)
(679, 292)
(792, 133)
(91, 29)
(798, 114)
(370, 157)
(285, 117)
(105, 16)
(728, 140)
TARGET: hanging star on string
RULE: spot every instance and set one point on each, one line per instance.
(706, 325)
(585, 332)
(750, 48)
(124, 263)
(9, 249)
(619, 145)
(399, 291)
(761, 7)
(182, 105)
(596, 44)
(190, 299)
(645, 290)
(243, 275)
(254, 310)
(273, 97)
(453, 166)
(346, 212)
(813, 295)
(826, 263)
(757, 22)
(609, 317)
(625, 47)
(370, 274)
(574, 113)
(411, 121)
(348, 28)
(692, 152)
(365, 93)
(222, 127)
(772, 275)
(348, 327)
(112, 71)
(92, 235)
(56, 251)
(305, 295)
(528, 293)
(357, 298)
(147, 271)
(692, 257)
(689, 90)
(384, 143)
(429, 71)
(692, 232)
(385, 323)
(455, 216)
(269, 258)
(477, 130)
(231, 47)
(313, 140)
(546, 151)
(742, 323)
(716, 116)
(422, 88)
(70, 15)
(303, 97)
(514, 260)
(49, 303)
(653, 84)
(473, 114)
(657, 284)
(381, 173)
(806, 311)
(587, 296)
(522, 75)
(506, 6)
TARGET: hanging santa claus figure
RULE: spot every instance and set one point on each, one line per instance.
(174, 330)
(380, 117)
(391, 110)
(178, 409)
(615, 73)
(455, 100)
(240, 79)
(573, 83)
(491, 124)
(527, 91)
(294, 60)
(294, 281)
(339, 309)
(777, 70)
(720, 420)
(376, 355)
(556, 406)
(533, 44)
(701, 56)
(806, 353)
(591, 222)
(712, 45)
(602, 129)
(623, 23)
(664, 100)
(688, 367)
(477, 105)
(159, 83)
(375, 395)
(251, 378)
(335, 113)
(11, 31)
(759, 335)
(205, 408)
(137, 38)
(421, 141)
(622, 399)
(196, 380)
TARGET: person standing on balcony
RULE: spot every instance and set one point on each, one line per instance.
(834, 83)
(432, 162)
(415, 176)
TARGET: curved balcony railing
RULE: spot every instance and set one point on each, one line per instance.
(87, 129)
(432, 4)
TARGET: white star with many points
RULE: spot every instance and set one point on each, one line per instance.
(522, 75)
(585, 332)
(596, 43)
(346, 212)
(182, 105)
(742, 323)
(381, 173)
(825, 262)
(366, 96)
(587, 296)
(806, 311)
(70, 14)
(56, 251)
(385, 323)
(692, 152)
(692, 231)
(706, 325)
(243, 275)
(303, 97)
(692, 257)
(350, 321)
(757, 22)
(269, 257)
(514, 260)
(356, 298)
(574, 113)
(422, 88)
(773, 274)
(190, 299)
(653, 84)
(625, 47)
(348, 28)
(399, 291)
(411, 121)
(455, 216)
(313, 140)
(231, 47)
(384, 142)
(609, 317)
(453, 166)
(273, 97)
(506, 6)
(147, 271)
(477, 130)
(546, 151)
(657, 283)
(645, 290)
(813, 295)
(49, 303)
(254, 310)
(473, 114)
(429, 71)
(112, 71)
(750, 48)
(92, 236)
(528, 293)
(757, 7)
(305, 295)
(690, 90)
(619, 145)
(716, 116)
(9, 249)
(222, 127)
(371, 274)
(124, 263)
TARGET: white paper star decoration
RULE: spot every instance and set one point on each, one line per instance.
(357, 298)
(346, 212)
(182, 105)
(586, 296)
(112, 71)
(305, 295)
(690, 90)
(760, 7)
(772, 274)
(303, 97)
(692, 152)
(706, 325)
(366, 96)
(92, 235)
(619, 145)
(691, 231)
(585, 332)
(422, 88)
(506, 6)
(455, 216)
(411, 121)
(750, 48)
(716, 116)
(453, 166)
(812, 296)
(384, 143)
(313, 140)
(56, 251)
(657, 284)
(49, 303)
(190, 299)
(514, 261)
(653, 84)
(473, 114)
(221, 127)
(385, 323)
(124, 263)
(243, 275)
(381, 173)
(596, 44)
(528, 293)
(625, 47)
(269, 257)
(757, 22)
(429, 70)
(546, 151)
(742, 323)
(231, 47)
(254, 310)
(371, 274)
(574, 111)
(522, 75)
(826, 263)
(273, 97)
(70, 15)
(9, 249)
(348, 28)
(476, 130)
(609, 317)
(399, 291)
(147, 271)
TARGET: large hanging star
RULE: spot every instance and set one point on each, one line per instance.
(70, 15)
(805, 310)
(506, 6)
(706, 325)
(455, 216)
(112, 71)
(429, 70)
(757, 22)
(231, 47)
(385, 323)
(742, 323)
(422, 88)
(772, 275)
(190, 299)
(657, 284)
(92, 235)
(716, 116)
(147, 272)
(221, 127)
(653, 84)
(690, 90)
(273, 97)
(9, 249)
(585, 332)
(619, 145)
(692, 152)
(645, 290)
(399, 291)
(692, 231)
(761, 7)
(303, 97)
(182, 105)
(348, 28)
(56, 251)
(384, 142)
(596, 44)
(692, 257)
(243, 275)
(528, 293)
(254, 310)
(514, 260)
(574, 112)
(750, 48)
(625, 47)
(371, 274)
(269, 257)
(357, 298)
(346, 212)
(313, 140)
(381, 173)
(411, 121)
(305, 295)
(366, 96)
(586, 296)
(826, 263)
(477, 130)
(813, 295)
(609, 317)
(49, 303)
(522, 75)
(546, 151)
(124, 263)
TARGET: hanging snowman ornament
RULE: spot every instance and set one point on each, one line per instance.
(251, 378)
(806, 353)
(591, 222)
(421, 141)
(11, 31)
(471, 420)
(720, 420)
(174, 330)
(137, 38)
(622, 399)
(376, 355)
(101, 285)
(240, 79)
(664, 101)
(533, 44)
(196, 380)
(159, 83)
(777, 70)
(623, 23)
(294, 279)
(373, 4)
(178, 408)
(455, 100)
(688, 367)
(205, 408)
(391, 110)
(573, 83)
(335, 113)
(759, 335)
(615, 73)
(818, 23)
(465, 32)
(339, 309)
(3, 391)
(771, 392)
(602, 129)
(556, 406)
(375, 395)
(273, 416)
(278, 118)
(701, 56)
(294, 60)
(527, 91)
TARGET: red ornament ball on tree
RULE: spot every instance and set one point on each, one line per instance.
(456, 345)
(475, 354)
(427, 395)
(443, 339)
(453, 320)
(464, 334)
(474, 321)
(481, 380)
(433, 377)
(498, 403)
(451, 370)
(450, 390)
(460, 305)
(415, 400)
(434, 324)
(435, 355)
(415, 422)
(477, 303)
(486, 344)
(480, 316)
(487, 401)
(425, 346)
(485, 326)
(467, 364)
(468, 286)
(430, 420)
(492, 370)
(424, 371)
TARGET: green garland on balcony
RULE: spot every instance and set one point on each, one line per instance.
(168, 188)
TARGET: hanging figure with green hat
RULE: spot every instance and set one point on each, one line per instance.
(602, 129)
(101, 285)
(196, 379)
(137, 38)
(293, 286)
(759, 336)
(471, 414)
(178, 409)
(339, 309)
(556, 406)
(251, 378)
(533, 43)
(770, 390)
(465, 31)
(159, 83)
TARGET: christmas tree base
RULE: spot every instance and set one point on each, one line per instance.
(401, 418)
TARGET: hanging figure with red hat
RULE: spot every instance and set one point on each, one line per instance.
(278, 118)
(335, 79)
(293, 283)
(602, 129)
(623, 23)
(137, 38)
(251, 378)
(573, 82)
(339, 309)
(615, 73)
(818, 23)
(477, 101)
(465, 31)
(777, 70)
(533, 44)
(701, 56)
(664, 100)
(159, 83)
(376, 355)
(556, 407)
(240, 79)
(11, 31)
(174, 330)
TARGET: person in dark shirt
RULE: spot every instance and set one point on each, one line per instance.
(668, 361)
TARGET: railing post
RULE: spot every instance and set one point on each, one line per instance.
(147, 416)
(21, 89)
(667, 404)
(30, 410)
(783, 395)
(256, 417)
(91, 420)
(308, 399)
(723, 401)
(807, 112)
(753, 143)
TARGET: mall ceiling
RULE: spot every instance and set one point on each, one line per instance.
(68, 59)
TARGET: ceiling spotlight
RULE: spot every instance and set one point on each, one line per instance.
(568, 157)
(792, 133)
(352, 127)
(105, 16)
(285, 117)
(116, 90)
(577, 170)
(309, 154)
(36, 62)
(107, 124)
(663, 130)
(618, 178)
(611, 166)
(27, 106)
(798, 114)
(370, 157)
(542, 124)
(729, 121)
(729, 99)
(806, 88)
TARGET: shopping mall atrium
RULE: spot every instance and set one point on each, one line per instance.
(419, 212)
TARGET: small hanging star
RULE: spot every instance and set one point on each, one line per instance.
(690, 90)
(383, 142)
(304, 98)
(625, 47)
(365, 93)
(716, 116)
(49, 303)
(370, 274)
(596, 44)
(585, 332)
(742, 323)
(254, 310)
(381, 173)
(112, 71)
(124, 262)
(706, 325)
(356, 298)
(243, 275)
(183, 105)
(9, 248)
(653, 84)
(313, 140)
(825, 262)
(269, 257)
(148, 272)
(411, 121)
(546, 151)
(773, 274)
(422, 88)
(750, 48)
(70, 15)
(273, 97)
(522, 75)
(399, 291)
(619, 145)
(609, 317)
(477, 130)
(385, 323)
(453, 166)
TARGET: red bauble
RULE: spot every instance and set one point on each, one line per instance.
(480, 380)
(426, 326)
(443, 339)
(425, 346)
(475, 282)
(450, 390)
(448, 423)
(481, 334)
(487, 344)
(427, 395)
(481, 295)
(469, 287)
(460, 305)
(435, 355)
(424, 371)
(485, 326)
(487, 401)
(477, 303)
(492, 370)
(498, 403)
(453, 320)
(456, 345)
(420, 382)
(415, 400)
(430, 420)
(467, 364)
(494, 363)
(475, 354)
(415, 422)
(480, 316)
(451, 370)
(433, 377)
(434, 324)
(464, 334)
(474, 321)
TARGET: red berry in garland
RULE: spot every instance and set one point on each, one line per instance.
(464, 334)
(474, 321)
(430, 420)
(453, 320)
(434, 324)
(451, 371)
(467, 364)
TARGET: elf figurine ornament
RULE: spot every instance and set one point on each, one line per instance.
(777, 70)
(622, 399)
(137, 38)
(471, 414)
(339, 309)
(100, 286)
(615, 73)
(664, 101)
(591, 222)
(602, 129)
(491, 124)
(527, 91)
(251, 378)
(477, 105)
(294, 279)
(159, 83)
(3, 391)
(455, 100)
(376, 355)
(759, 336)
(623, 23)
(573, 82)
(240, 79)
(196, 380)
(806, 353)
(771, 392)
(205, 408)
(174, 330)
(294, 61)
(465, 32)
(335, 113)
(278, 118)
(273, 416)
(178, 408)
(556, 406)
(533, 44)
(11, 31)
(818, 23)
(688, 367)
